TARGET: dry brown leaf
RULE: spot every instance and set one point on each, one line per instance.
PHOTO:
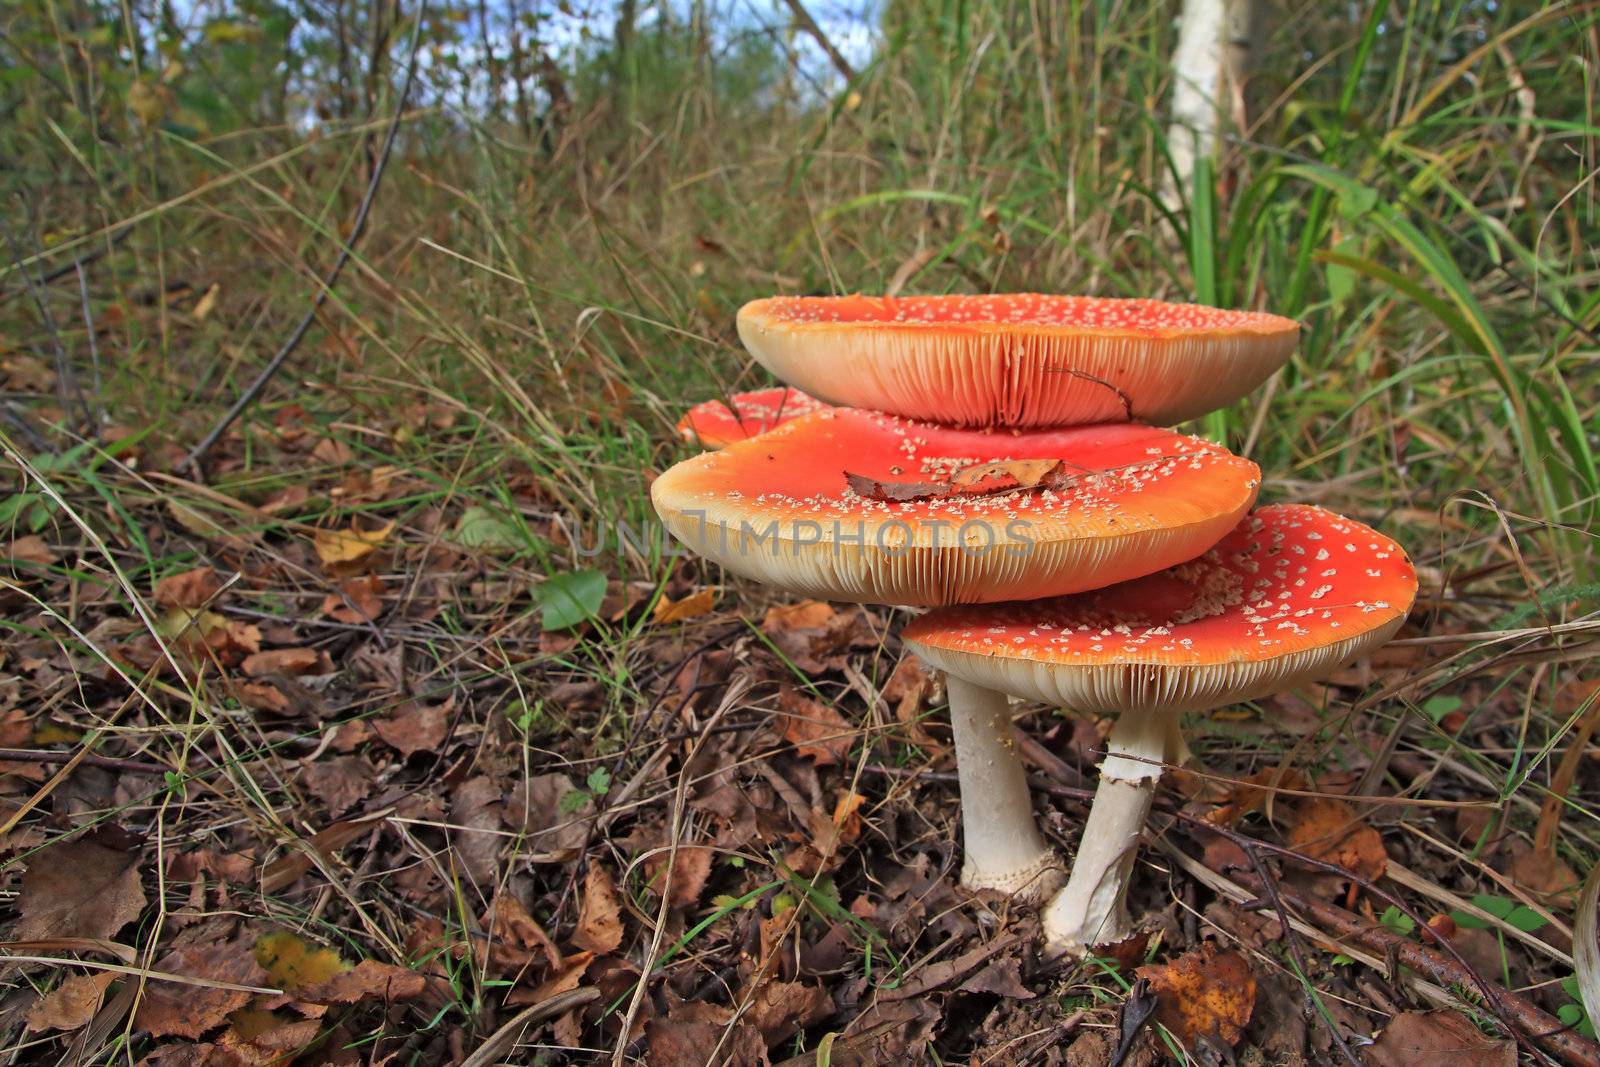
(183, 1010)
(283, 661)
(350, 545)
(781, 1009)
(539, 808)
(1207, 992)
(78, 889)
(683, 1037)
(690, 869)
(805, 615)
(817, 731)
(70, 1005)
(333, 452)
(367, 980)
(16, 728)
(1014, 473)
(288, 868)
(1245, 797)
(340, 782)
(415, 727)
(191, 589)
(269, 1042)
(475, 814)
(690, 607)
(563, 981)
(261, 696)
(358, 602)
(1332, 831)
(1544, 874)
(600, 915)
(516, 937)
(1438, 1039)
(29, 549)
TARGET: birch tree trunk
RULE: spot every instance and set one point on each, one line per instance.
(1215, 50)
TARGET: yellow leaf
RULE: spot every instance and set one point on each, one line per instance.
(292, 963)
(206, 303)
(351, 545)
(690, 607)
(188, 622)
(148, 102)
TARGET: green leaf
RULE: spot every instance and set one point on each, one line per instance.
(1499, 907)
(492, 531)
(1507, 911)
(572, 802)
(1526, 919)
(1438, 707)
(1341, 278)
(1397, 921)
(599, 781)
(568, 599)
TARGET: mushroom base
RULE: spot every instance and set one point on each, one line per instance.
(1004, 849)
(1091, 910)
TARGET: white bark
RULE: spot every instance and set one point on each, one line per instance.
(1003, 846)
(1091, 910)
(1197, 69)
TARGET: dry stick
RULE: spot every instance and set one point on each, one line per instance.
(803, 19)
(34, 755)
(346, 249)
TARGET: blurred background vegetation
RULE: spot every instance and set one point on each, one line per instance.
(579, 199)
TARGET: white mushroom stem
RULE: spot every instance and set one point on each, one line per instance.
(1004, 849)
(1091, 910)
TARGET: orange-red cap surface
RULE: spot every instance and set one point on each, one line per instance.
(714, 424)
(1022, 359)
(780, 508)
(1291, 594)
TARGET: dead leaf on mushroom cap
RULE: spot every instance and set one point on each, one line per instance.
(1208, 992)
(989, 479)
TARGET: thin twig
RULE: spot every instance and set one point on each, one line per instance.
(33, 755)
(346, 249)
(803, 19)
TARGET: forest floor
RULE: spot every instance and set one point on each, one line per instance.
(317, 759)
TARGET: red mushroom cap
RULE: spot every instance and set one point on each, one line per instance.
(714, 425)
(1291, 594)
(1024, 359)
(1127, 500)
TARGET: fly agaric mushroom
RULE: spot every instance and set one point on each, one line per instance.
(1017, 360)
(860, 506)
(1293, 593)
(714, 424)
